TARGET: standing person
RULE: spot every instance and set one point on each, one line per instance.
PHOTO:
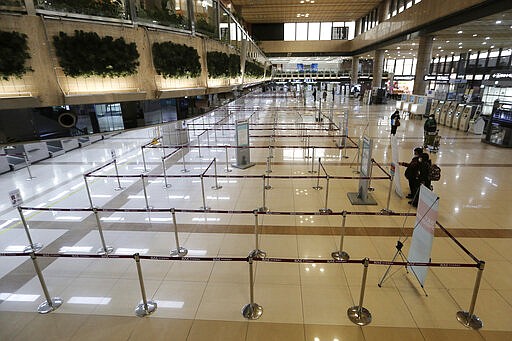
(423, 176)
(333, 92)
(324, 95)
(395, 121)
(314, 95)
(429, 131)
(412, 172)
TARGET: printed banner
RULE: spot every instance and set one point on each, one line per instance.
(423, 234)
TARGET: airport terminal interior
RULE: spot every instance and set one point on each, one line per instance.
(268, 205)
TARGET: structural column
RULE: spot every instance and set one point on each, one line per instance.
(355, 69)
(422, 65)
(378, 65)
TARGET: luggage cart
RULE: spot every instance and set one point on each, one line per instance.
(431, 141)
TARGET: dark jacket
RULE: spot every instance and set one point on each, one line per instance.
(430, 125)
(413, 168)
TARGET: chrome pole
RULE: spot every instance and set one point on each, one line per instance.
(50, 304)
(32, 247)
(358, 314)
(146, 307)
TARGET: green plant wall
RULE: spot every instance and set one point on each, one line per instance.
(13, 54)
(176, 60)
(87, 54)
(218, 64)
(234, 65)
(254, 69)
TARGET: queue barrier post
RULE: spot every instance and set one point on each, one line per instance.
(340, 254)
(184, 170)
(204, 207)
(467, 318)
(257, 253)
(145, 192)
(50, 304)
(27, 162)
(215, 171)
(143, 159)
(119, 187)
(359, 314)
(146, 307)
(318, 187)
(252, 310)
(326, 209)
(228, 170)
(88, 191)
(312, 171)
(269, 170)
(179, 251)
(387, 210)
(104, 250)
(264, 207)
(31, 247)
(166, 185)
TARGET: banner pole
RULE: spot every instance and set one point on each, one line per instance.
(466, 317)
(50, 304)
(358, 314)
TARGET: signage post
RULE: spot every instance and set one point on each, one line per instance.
(243, 153)
(362, 197)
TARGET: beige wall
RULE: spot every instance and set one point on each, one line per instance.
(306, 46)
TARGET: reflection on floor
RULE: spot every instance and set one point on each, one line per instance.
(301, 301)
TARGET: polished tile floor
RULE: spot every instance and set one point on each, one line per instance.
(301, 301)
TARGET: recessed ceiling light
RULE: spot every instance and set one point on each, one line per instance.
(439, 47)
(398, 47)
(475, 35)
(498, 22)
(411, 49)
(413, 44)
(386, 51)
(434, 38)
(487, 38)
(484, 43)
(470, 50)
(460, 47)
(447, 41)
(459, 32)
(492, 46)
(442, 50)
(460, 43)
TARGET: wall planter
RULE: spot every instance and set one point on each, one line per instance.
(87, 54)
(218, 64)
(254, 70)
(13, 55)
(176, 60)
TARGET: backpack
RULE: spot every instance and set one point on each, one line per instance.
(435, 173)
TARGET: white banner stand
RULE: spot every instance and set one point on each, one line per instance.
(362, 197)
(243, 152)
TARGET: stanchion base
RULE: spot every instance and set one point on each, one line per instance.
(118, 188)
(317, 188)
(340, 255)
(312, 172)
(167, 186)
(268, 171)
(30, 179)
(185, 171)
(140, 311)
(325, 210)
(45, 307)
(472, 321)
(359, 315)
(257, 253)
(252, 311)
(216, 187)
(229, 170)
(268, 187)
(181, 252)
(107, 251)
(263, 209)
(205, 208)
(34, 248)
(386, 211)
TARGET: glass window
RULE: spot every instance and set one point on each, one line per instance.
(399, 67)
(232, 31)
(351, 25)
(407, 67)
(289, 31)
(206, 16)
(325, 30)
(409, 3)
(339, 33)
(401, 6)
(302, 31)
(314, 31)
(162, 13)
(389, 65)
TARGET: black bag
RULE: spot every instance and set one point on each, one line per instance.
(435, 173)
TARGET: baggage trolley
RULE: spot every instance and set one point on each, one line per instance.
(431, 141)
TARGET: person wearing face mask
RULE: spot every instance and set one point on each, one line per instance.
(429, 131)
(423, 175)
(412, 172)
(395, 121)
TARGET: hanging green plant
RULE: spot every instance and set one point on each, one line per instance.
(254, 69)
(13, 54)
(234, 65)
(87, 54)
(176, 60)
(218, 64)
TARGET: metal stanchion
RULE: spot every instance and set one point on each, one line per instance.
(227, 159)
(179, 251)
(340, 254)
(318, 187)
(184, 170)
(166, 185)
(357, 171)
(88, 190)
(146, 307)
(269, 170)
(307, 148)
(50, 304)
(257, 253)
(467, 318)
(312, 171)
(31, 247)
(326, 209)
(264, 208)
(251, 311)
(268, 186)
(387, 210)
(145, 192)
(27, 162)
(370, 188)
(104, 249)
(207, 137)
(204, 207)
(358, 314)
(199, 144)
(215, 170)
(119, 187)
(143, 159)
